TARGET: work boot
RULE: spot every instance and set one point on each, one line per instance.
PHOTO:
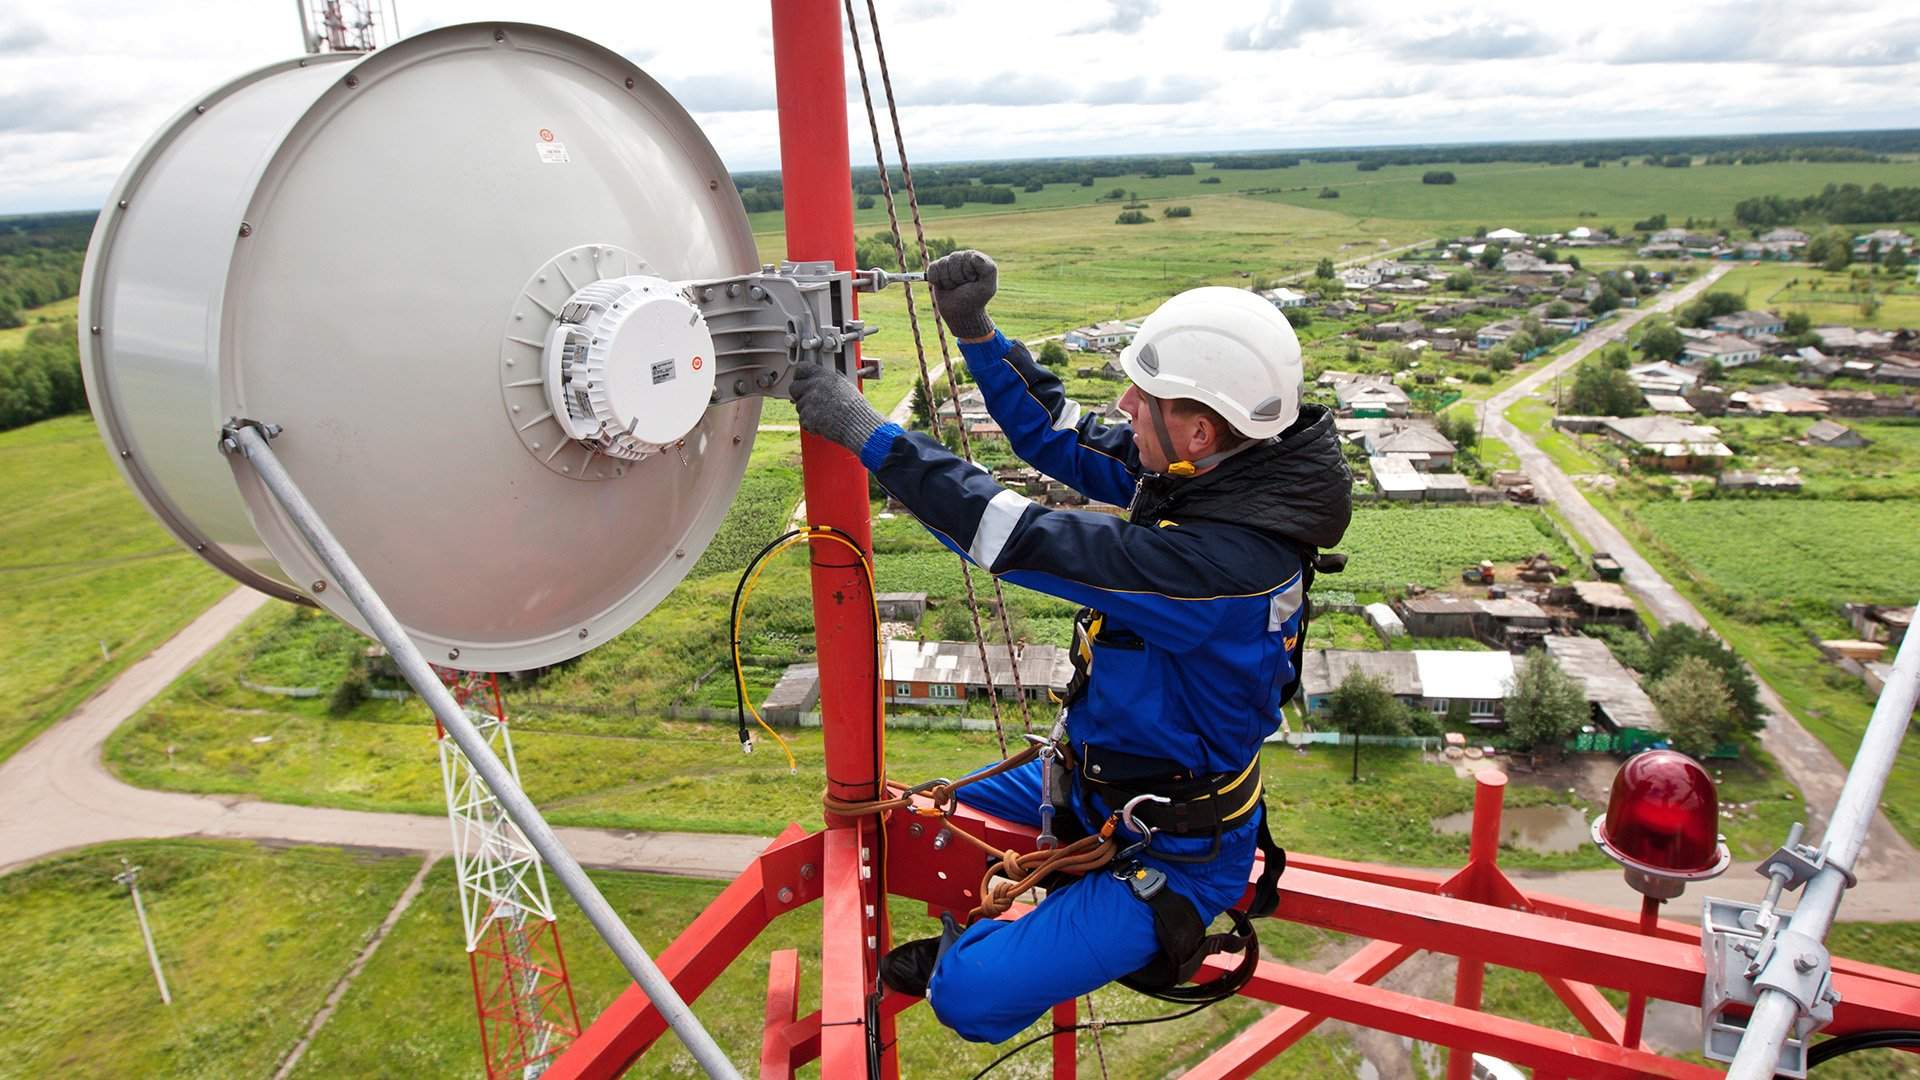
(908, 968)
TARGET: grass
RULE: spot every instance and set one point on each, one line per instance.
(251, 939)
(1770, 578)
(1534, 416)
(410, 1012)
(1887, 468)
(1392, 547)
(1828, 298)
(89, 583)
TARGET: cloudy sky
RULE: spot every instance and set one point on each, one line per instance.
(84, 82)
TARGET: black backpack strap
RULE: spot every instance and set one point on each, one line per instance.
(1266, 891)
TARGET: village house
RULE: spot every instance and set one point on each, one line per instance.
(901, 606)
(1597, 603)
(1526, 262)
(1493, 335)
(1340, 309)
(1420, 443)
(1285, 299)
(1848, 339)
(1662, 442)
(1784, 236)
(1747, 324)
(1868, 403)
(1728, 350)
(1779, 399)
(1662, 377)
(1506, 236)
(1508, 622)
(1897, 368)
(1427, 679)
(1359, 277)
(1877, 622)
(950, 672)
(1371, 395)
(1835, 436)
(1881, 241)
(1393, 331)
(1780, 480)
(1103, 337)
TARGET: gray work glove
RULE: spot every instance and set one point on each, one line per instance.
(962, 284)
(831, 406)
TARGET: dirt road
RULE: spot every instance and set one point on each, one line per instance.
(1807, 762)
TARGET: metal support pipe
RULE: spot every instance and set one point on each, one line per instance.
(130, 877)
(1483, 855)
(250, 441)
(1637, 1002)
(1775, 1013)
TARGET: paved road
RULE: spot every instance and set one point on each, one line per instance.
(1807, 762)
(56, 794)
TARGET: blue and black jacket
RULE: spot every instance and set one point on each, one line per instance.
(1200, 588)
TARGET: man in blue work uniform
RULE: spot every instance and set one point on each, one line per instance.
(1191, 637)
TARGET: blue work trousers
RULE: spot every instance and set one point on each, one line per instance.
(1001, 976)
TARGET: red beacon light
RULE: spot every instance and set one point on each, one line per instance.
(1663, 824)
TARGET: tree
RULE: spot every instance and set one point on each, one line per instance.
(1437, 176)
(1324, 270)
(1798, 322)
(1460, 281)
(1177, 211)
(1545, 704)
(1839, 251)
(1676, 642)
(1458, 428)
(1363, 705)
(1896, 261)
(864, 202)
(1694, 706)
(1500, 358)
(1662, 341)
(1602, 390)
(1559, 309)
(1490, 256)
(1131, 217)
(1053, 355)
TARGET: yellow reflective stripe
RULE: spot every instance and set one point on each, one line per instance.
(1248, 805)
(1227, 788)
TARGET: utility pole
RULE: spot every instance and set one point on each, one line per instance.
(130, 878)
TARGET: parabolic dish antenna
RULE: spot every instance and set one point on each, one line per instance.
(429, 267)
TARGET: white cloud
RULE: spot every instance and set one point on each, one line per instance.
(1155, 77)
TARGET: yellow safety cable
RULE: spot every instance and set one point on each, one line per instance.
(813, 532)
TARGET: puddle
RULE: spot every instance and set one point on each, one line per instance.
(1550, 829)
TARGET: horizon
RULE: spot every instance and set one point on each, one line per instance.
(1210, 154)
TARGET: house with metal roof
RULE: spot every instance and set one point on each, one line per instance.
(1663, 442)
(950, 672)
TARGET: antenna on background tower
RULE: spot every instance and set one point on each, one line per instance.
(346, 25)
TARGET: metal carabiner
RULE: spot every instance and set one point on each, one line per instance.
(1048, 752)
(922, 789)
(1126, 814)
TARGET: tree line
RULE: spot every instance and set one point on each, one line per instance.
(40, 259)
(41, 379)
(1836, 203)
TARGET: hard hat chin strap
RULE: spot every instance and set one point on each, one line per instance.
(1176, 465)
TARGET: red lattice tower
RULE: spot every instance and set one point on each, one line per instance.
(521, 990)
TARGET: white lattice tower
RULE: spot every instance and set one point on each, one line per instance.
(346, 25)
(521, 989)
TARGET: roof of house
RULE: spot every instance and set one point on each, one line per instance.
(1669, 403)
(959, 662)
(1848, 337)
(1323, 670)
(1506, 234)
(1368, 390)
(1720, 345)
(1109, 327)
(1468, 675)
(1408, 438)
(1608, 684)
(1826, 430)
(1661, 431)
(1747, 320)
(1662, 371)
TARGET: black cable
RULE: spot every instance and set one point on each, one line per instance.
(733, 634)
(1892, 1038)
(1042, 1037)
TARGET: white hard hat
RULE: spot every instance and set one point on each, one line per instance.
(1225, 348)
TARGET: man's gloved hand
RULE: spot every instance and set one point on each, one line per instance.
(831, 406)
(962, 284)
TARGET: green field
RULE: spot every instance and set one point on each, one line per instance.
(1786, 552)
(1392, 547)
(1829, 299)
(251, 939)
(1888, 468)
(89, 582)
